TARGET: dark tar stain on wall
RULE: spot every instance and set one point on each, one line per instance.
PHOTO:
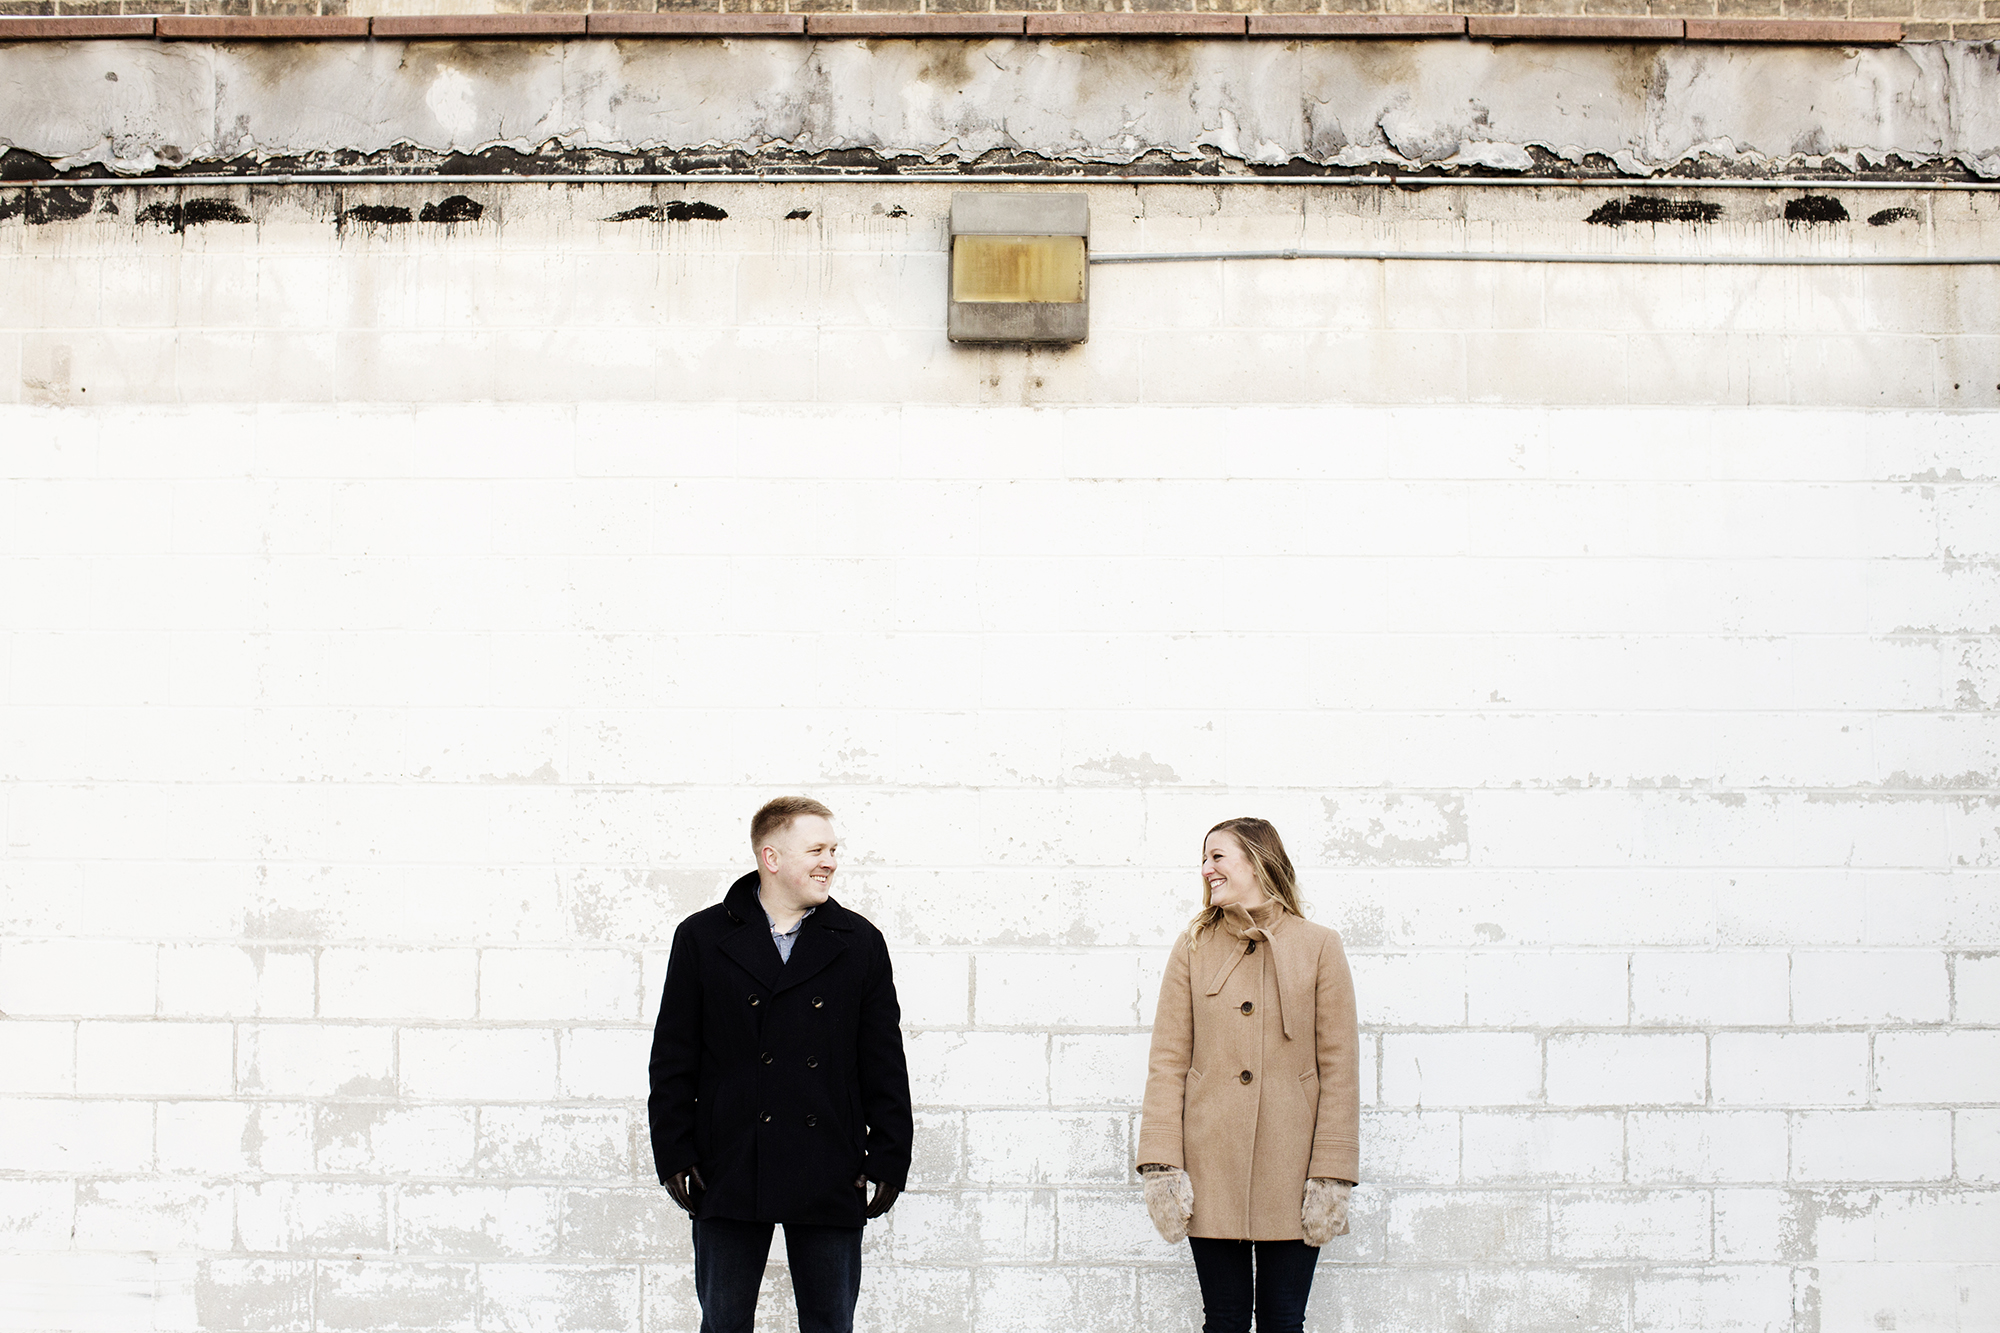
(380, 215)
(40, 207)
(1652, 208)
(677, 210)
(192, 213)
(1889, 215)
(457, 208)
(1814, 209)
(17, 164)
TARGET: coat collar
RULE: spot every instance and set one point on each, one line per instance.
(822, 938)
(1244, 931)
(1246, 924)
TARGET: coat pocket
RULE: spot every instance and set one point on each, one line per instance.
(1197, 1111)
(1309, 1091)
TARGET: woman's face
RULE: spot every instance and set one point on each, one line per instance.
(1231, 880)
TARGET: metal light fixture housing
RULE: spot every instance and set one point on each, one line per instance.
(1020, 268)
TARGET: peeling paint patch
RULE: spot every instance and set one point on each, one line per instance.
(253, 1293)
(866, 105)
(1395, 829)
(272, 922)
(638, 904)
(1141, 771)
(1364, 927)
(546, 773)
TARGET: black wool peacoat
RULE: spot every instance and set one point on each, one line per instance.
(781, 1082)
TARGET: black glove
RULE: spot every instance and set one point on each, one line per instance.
(684, 1185)
(885, 1196)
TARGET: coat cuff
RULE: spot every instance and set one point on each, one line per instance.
(1336, 1161)
(884, 1172)
(1162, 1148)
(673, 1166)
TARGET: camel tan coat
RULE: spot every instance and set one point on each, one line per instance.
(1254, 1082)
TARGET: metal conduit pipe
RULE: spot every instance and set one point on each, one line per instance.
(974, 178)
(1469, 256)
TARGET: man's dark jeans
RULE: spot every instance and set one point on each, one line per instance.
(729, 1264)
(1284, 1279)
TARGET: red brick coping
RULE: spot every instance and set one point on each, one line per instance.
(474, 27)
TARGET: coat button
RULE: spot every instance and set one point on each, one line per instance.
(766, 1117)
(1245, 1076)
(754, 1002)
(767, 1057)
(812, 1122)
(817, 1002)
(1251, 947)
(1249, 1007)
(812, 1062)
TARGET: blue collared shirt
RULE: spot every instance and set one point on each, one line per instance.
(785, 939)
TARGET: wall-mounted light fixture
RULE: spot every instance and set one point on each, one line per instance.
(1019, 268)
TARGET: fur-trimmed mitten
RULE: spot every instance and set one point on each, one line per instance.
(1170, 1200)
(1323, 1215)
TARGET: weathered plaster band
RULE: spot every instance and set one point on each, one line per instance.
(137, 106)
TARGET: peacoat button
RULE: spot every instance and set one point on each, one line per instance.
(1251, 947)
(754, 1002)
(1248, 1007)
(817, 1002)
(812, 1062)
(812, 1122)
(1245, 1076)
(767, 1057)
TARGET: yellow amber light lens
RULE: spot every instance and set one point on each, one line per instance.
(1017, 268)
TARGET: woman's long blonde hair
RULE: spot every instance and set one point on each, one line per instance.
(1266, 852)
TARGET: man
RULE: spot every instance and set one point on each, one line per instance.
(779, 1087)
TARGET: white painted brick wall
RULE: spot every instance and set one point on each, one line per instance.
(1628, 701)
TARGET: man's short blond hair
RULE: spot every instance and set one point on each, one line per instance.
(775, 816)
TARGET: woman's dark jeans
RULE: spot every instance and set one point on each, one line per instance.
(1277, 1293)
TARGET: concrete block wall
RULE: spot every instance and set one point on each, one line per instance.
(360, 753)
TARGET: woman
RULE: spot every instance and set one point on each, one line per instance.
(1249, 1142)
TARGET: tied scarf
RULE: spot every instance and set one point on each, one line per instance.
(1248, 927)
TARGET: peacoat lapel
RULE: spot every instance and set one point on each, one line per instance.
(748, 943)
(823, 939)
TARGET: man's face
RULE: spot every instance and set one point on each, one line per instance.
(799, 859)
